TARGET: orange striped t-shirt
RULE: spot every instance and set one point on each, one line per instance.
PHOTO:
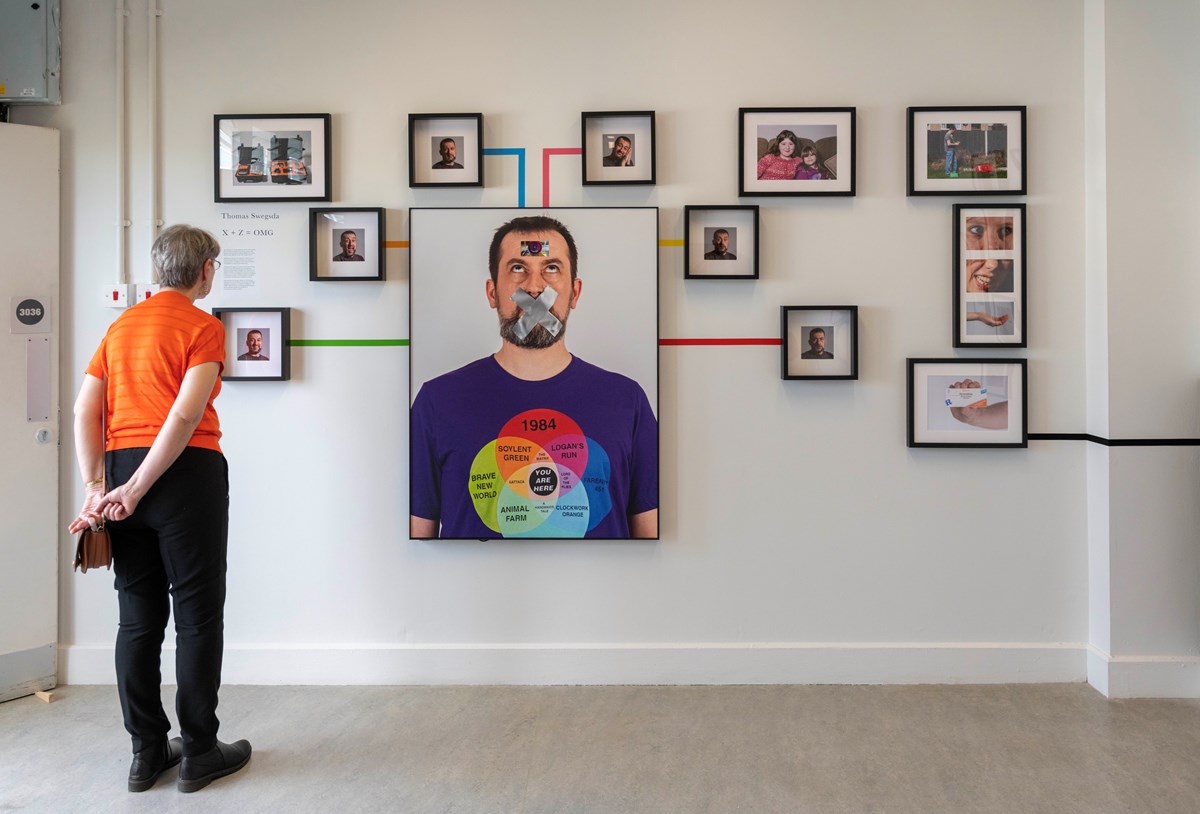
(145, 355)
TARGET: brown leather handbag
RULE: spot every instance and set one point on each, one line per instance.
(94, 547)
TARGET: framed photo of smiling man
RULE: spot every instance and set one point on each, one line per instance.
(618, 147)
(256, 344)
(534, 373)
(989, 275)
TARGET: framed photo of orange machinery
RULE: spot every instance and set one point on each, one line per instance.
(271, 157)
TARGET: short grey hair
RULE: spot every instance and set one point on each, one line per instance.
(180, 253)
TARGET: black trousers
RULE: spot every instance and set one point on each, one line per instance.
(172, 550)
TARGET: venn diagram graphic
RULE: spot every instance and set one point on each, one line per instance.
(541, 477)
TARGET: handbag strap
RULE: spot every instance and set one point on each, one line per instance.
(104, 439)
(103, 448)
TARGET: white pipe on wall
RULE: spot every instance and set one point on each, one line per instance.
(122, 203)
(153, 13)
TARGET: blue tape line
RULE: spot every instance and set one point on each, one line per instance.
(519, 152)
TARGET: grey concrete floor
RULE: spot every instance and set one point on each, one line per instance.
(1018, 748)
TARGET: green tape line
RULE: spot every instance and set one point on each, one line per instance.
(347, 343)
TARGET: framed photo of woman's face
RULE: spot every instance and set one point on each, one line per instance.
(967, 403)
(819, 341)
(445, 149)
(720, 242)
(989, 275)
(966, 151)
(256, 343)
(346, 243)
(618, 147)
(796, 151)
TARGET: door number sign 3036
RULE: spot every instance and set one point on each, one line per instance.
(30, 315)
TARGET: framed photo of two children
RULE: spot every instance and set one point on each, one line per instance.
(796, 151)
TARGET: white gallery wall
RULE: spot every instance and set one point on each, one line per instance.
(801, 540)
(1144, 535)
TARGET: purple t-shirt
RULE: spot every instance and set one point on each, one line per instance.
(492, 455)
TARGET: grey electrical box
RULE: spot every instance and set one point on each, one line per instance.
(30, 51)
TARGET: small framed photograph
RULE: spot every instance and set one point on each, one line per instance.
(720, 242)
(819, 341)
(256, 343)
(796, 151)
(445, 149)
(271, 157)
(345, 243)
(967, 403)
(966, 151)
(989, 275)
(618, 147)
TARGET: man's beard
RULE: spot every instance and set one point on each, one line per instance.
(536, 339)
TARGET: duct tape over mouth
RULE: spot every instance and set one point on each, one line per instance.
(537, 312)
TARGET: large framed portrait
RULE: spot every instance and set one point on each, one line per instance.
(534, 373)
(256, 344)
(967, 403)
(618, 147)
(989, 275)
(966, 151)
(271, 157)
(819, 341)
(796, 151)
(720, 242)
(346, 243)
(445, 149)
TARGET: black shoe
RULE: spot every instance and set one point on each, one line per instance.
(151, 762)
(225, 758)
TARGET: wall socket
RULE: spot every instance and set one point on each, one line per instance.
(116, 296)
(144, 291)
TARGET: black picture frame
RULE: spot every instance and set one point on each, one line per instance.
(832, 359)
(988, 276)
(932, 420)
(976, 130)
(426, 131)
(830, 132)
(326, 252)
(287, 157)
(701, 223)
(275, 328)
(599, 135)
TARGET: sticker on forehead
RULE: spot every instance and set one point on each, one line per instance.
(535, 248)
(537, 312)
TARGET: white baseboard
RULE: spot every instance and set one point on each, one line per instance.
(1144, 676)
(546, 664)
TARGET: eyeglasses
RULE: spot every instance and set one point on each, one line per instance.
(216, 265)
